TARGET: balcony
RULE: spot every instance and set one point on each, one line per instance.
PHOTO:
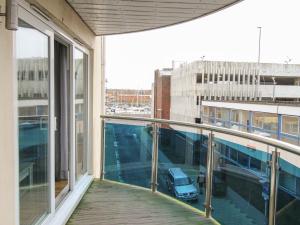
(50, 141)
(232, 176)
(113, 203)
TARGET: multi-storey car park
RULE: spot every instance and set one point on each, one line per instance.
(261, 98)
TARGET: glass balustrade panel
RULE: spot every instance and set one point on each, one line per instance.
(182, 154)
(128, 152)
(288, 191)
(240, 182)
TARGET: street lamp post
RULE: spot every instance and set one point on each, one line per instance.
(258, 64)
(259, 44)
(274, 86)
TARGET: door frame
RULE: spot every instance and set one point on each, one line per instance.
(40, 26)
(46, 26)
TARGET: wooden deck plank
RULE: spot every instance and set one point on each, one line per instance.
(108, 203)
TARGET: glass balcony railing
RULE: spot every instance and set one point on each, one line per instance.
(235, 177)
(128, 153)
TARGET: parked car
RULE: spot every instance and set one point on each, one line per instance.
(181, 185)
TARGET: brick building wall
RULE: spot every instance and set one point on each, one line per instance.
(162, 85)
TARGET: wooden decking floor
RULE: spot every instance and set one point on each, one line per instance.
(108, 203)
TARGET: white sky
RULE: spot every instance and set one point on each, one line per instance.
(228, 35)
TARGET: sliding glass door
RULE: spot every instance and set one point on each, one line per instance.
(80, 68)
(52, 77)
(33, 76)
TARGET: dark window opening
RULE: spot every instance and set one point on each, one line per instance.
(31, 75)
(41, 76)
(199, 78)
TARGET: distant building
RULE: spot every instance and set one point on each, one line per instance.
(161, 93)
(263, 98)
(128, 97)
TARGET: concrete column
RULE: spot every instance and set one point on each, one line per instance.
(229, 84)
(215, 115)
(238, 85)
(234, 86)
(213, 84)
(98, 94)
(248, 83)
(243, 84)
(209, 81)
(253, 85)
(258, 84)
(229, 118)
(250, 122)
(9, 151)
(202, 84)
(218, 83)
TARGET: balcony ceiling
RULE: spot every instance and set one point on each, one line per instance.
(106, 17)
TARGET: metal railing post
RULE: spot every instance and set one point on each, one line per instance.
(209, 175)
(273, 187)
(154, 158)
(102, 151)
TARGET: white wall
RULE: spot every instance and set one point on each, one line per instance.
(277, 109)
(280, 91)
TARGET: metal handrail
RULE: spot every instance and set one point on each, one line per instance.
(254, 137)
(210, 162)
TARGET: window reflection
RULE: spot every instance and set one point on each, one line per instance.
(32, 75)
(266, 121)
(80, 112)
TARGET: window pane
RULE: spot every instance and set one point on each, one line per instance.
(266, 121)
(80, 113)
(290, 125)
(33, 101)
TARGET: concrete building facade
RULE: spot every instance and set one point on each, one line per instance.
(257, 98)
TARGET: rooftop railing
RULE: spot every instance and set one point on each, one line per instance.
(234, 176)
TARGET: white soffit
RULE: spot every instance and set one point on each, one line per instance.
(106, 17)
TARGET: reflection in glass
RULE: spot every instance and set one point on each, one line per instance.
(290, 130)
(265, 121)
(128, 153)
(182, 165)
(33, 101)
(240, 187)
(80, 112)
(288, 192)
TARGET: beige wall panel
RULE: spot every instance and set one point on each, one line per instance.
(98, 102)
(8, 128)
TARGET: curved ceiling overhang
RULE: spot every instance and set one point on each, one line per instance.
(106, 17)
